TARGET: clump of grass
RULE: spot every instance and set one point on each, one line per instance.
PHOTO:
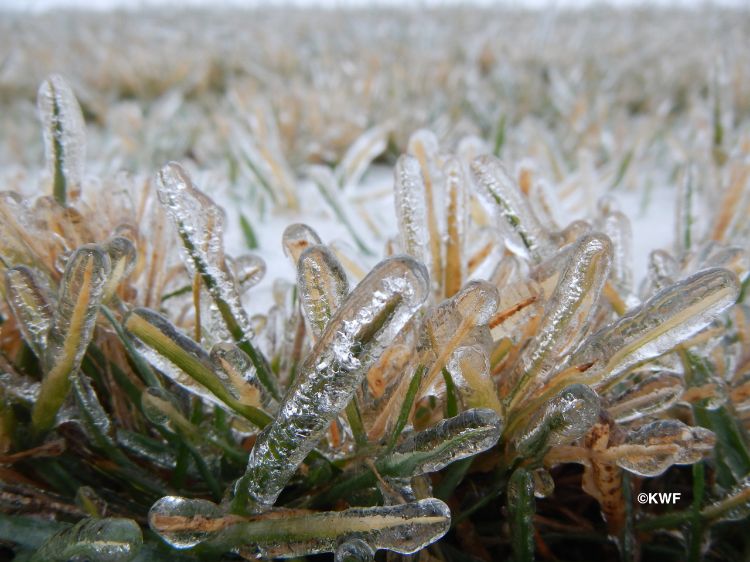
(494, 379)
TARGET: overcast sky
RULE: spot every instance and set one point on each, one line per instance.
(39, 5)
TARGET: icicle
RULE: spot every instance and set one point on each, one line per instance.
(662, 322)
(71, 328)
(95, 540)
(565, 418)
(31, 306)
(323, 286)
(64, 137)
(653, 448)
(452, 439)
(296, 239)
(364, 325)
(502, 192)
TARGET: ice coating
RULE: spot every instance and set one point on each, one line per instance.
(565, 418)
(157, 339)
(122, 256)
(322, 284)
(568, 311)
(296, 239)
(364, 325)
(470, 370)
(653, 394)
(71, 328)
(502, 192)
(354, 550)
(404, 528)
(185, 523)
(735, 506)
(477, 302)
(64, 135)
(159, 407)
(200, 225)
(411, 212)
(239, 376)
(30, 305)
(544, 484)
(665, 320)
(456, 217)
(368, 146)
(94, 415)
(249, 270)
(95, 540)
(653, 448)
(616, 226)
(451, 439)
(662, 269)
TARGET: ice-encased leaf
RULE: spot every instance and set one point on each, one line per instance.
(322, 284)
(354, 550)
(200, 225)
(183, 361)
(470, 370)
(296, 239)
(95, 540)
(521, 509)
(239, 375)
(735, 506)
(64, 135)
(122, 255)
(563, 419)
(368, 146)
(367, 321)
(654, 447)
(568, 312)
(502, 192)
(405, 528)
(31, 306)
(185, 523)
(452, 439)
(670, 317)
(653, 394)
(249, 270)
(411, 212)
(71, 328)
(161, 408)
(456, 219)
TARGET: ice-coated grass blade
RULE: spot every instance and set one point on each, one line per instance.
(409, 192)
(361, 154)
(501, 191)
(452, 439)
(521, 510)
(199, 223)
(364, 325)
(183, 361)
(322, 285)
(563, 419)
(121, 252)
(31, 306)
(403, 415)
(71, 329)
(95, 540)
(567, 314)
(404, 528)
(456, 218)
(64, 134)
(670, 317)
